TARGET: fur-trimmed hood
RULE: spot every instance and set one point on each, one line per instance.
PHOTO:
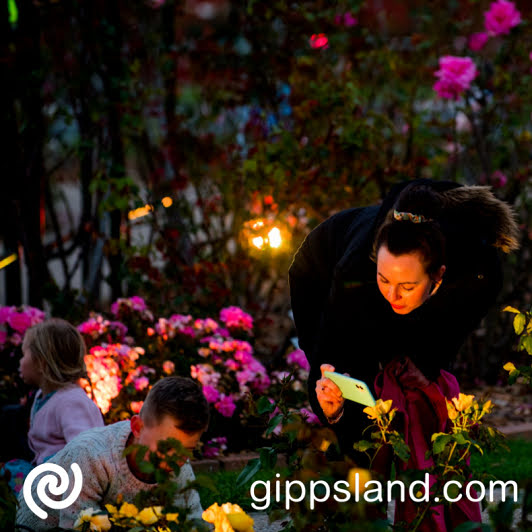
(478, 205)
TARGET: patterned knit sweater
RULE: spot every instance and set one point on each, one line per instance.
(106, 475)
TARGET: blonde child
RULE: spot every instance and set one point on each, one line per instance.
(53, 361)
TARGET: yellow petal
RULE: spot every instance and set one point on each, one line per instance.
(241, 522)
(128, 510)
(509, 366)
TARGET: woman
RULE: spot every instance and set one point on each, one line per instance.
(394, 291)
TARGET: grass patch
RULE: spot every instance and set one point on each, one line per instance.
(503, 465)
(225, 482)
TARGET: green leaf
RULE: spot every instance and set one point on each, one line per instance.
(273, 423)
(268, 457)
(440, 442)
(264, 405)
(470, 526)
(519, 323)
(146, 467)
(363, 446)
(460, 438)
(251, 469)
(527, 344)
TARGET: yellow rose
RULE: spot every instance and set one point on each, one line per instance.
(149, 516)
(509, 366)
(363, 476)
(451, 411)
(463, 402)
(128, 510)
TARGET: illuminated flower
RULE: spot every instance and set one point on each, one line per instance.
(228, 518)
(454, 76)
(509, 366)
(168, 367)
(463, 402)
(451, 410)
(381, 408)
(97, 522)
(149, 516)
(477, 41)
(358, 476)
(501, 17)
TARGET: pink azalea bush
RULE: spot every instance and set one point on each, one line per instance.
(454, 76)
(501, 17)
(15, 321)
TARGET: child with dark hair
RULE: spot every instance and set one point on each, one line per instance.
(174, 408)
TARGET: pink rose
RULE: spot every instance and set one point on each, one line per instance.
(501, 17)
(168, 367)
(19, 321)
(455, 76)
(477, 41)
(211, 394)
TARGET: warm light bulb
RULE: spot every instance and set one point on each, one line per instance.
(274, 237)
(258, 242)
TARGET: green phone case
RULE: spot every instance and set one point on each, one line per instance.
(352, 389)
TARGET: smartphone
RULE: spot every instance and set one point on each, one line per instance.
(352, 389)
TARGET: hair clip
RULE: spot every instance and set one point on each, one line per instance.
(409, 217)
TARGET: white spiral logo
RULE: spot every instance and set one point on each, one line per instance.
(51, 483)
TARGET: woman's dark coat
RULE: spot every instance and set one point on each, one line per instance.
(342, 319)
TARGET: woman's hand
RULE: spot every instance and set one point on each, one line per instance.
(329, 395)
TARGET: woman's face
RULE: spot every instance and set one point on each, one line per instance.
(403, 281)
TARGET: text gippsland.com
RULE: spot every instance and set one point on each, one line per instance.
(374, 491)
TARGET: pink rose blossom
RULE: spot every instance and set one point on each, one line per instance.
(19, 321)
(211, 394)
(298, 357)
(232, 365)
(168, 367)
(477, 41)
(225, 406)
(455, 76)
(135, 406)
(501, 17)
